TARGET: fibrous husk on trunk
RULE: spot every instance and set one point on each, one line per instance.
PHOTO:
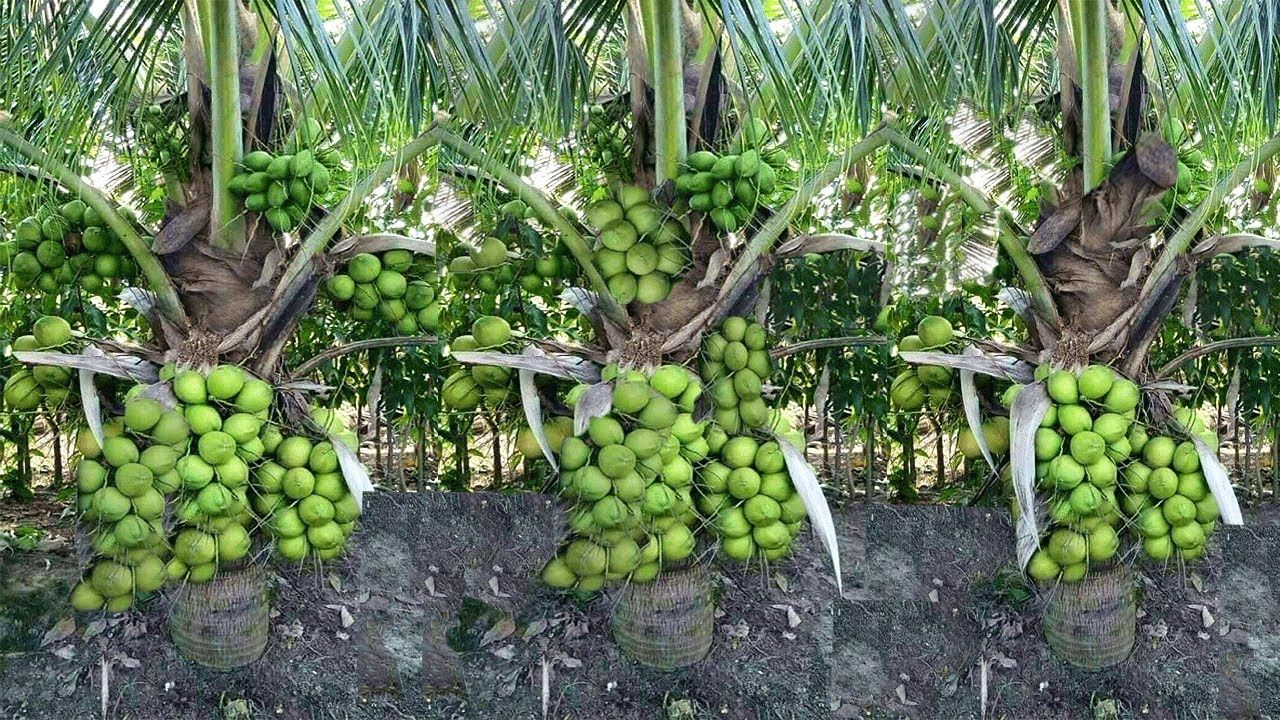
(1087, 245)
(217, 287)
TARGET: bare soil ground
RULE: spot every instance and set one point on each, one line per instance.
(949, 617)
(507, 636)
(437, 615)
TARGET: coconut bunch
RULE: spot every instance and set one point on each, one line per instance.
(748, 493)
(62, 245)
(301, 493)
(491, 264)
(123, 487)
(395, 285)
(224, 415)
(1095, 464)
(730, 187)
(641, 249)
(746, 490)
(1192, 164)
(471, 385)
(284, 188)
(630, 481)
(1085, 438)
(919, 384)
(606, 137)
(1167, 498)
(26, 388)
(735, 364)
(163, 137)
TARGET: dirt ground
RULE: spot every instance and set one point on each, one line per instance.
(948, 617)
(768, 658)
(437, 615)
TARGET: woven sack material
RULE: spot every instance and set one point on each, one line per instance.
(223, 623)
(666, 624)
(1091, 624)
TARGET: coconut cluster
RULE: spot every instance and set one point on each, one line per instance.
(26, 388)
(471, 385)
(177, 488)
(1094, 464)
(226, 414)
(735, 364)
(283, 188)
(62, 245)
(301, 493)
(491, 264)
(630, 478)
(163, 135)
(1173, 513)
(641, 249)
(123, 487)
(395, 285)
(606, 136)
(916, 385)
(729, 188)
(746, 490)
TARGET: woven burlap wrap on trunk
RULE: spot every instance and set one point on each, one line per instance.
(223, 623)
(1091, 624)
(666, 624)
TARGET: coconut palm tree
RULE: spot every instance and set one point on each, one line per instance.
(1143, 121)
(383, 83)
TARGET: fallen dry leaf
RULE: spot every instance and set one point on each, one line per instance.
(534, 629)
(66, 652)
(506, 652)
(95, 628)
(60, 631)
(493, 587)
(501, 630)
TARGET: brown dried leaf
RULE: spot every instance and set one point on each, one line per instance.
(60, 631)
(501, 630)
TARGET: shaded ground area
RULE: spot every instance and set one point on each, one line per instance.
(508, 636)
(307, 672)
(948, 616)
(438, 615)
(1251, 616)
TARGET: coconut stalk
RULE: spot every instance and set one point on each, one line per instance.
(1089, 19)
(666, 43)
(226, 221)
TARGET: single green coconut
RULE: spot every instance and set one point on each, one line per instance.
(935, 331)
(1095, 382)
(202, 419)
(1062, 388)
(224, 382)
(298, 483)
(141, 414)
